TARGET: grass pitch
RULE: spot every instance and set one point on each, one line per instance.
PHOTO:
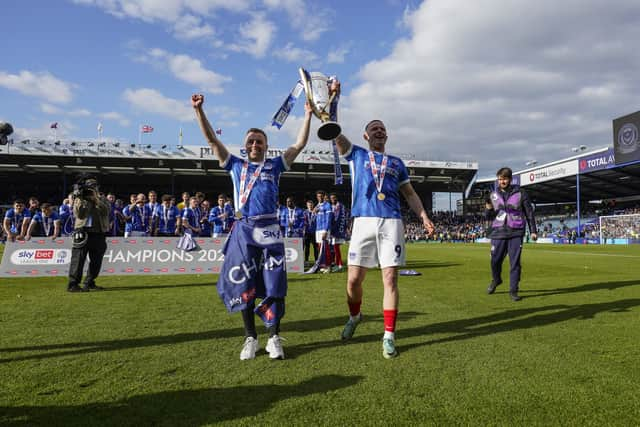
(159, 350)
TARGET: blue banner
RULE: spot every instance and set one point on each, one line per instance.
(598, 161)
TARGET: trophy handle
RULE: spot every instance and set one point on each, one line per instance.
(329, 130)
(306, 81)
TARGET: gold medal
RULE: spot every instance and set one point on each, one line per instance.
(381, 196)
(238, 214)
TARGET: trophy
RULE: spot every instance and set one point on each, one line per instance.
(316, 86)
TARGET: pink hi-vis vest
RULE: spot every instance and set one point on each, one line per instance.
(509, 211)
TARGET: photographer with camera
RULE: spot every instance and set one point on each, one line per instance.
(91, 211)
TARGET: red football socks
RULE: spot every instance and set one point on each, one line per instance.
(390, 320)
(336, 250)
(354, 308)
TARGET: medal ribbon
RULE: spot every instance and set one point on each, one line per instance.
(378, 176)
(46, 225)
(165, 215)
(244, 194)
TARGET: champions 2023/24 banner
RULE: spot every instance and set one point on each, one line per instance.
(43, 257)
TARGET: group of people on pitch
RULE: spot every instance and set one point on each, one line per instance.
(254, 266)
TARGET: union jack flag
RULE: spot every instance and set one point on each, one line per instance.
(54, 125)
(146, 129)
(219, 131)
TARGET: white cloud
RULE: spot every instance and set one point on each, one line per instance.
(311, 20)
(115, 116)
(184, 16)
(44, 132)
(81, 112)
(183, 67)
(337, 55)
(501, 81)
(255, 36)
(191, 27)
(152, 101)
(41, 85)
(297, 55)
(50, 109)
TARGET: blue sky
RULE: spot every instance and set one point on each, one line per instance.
(122, 65)
(500, 82)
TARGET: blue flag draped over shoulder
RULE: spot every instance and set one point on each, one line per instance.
(283, 112)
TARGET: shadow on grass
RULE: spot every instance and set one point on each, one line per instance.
(176, 408)
(212, 283)
(427, 264)
(77, 348)
(589, 287)
(505, 321)
(144, 287)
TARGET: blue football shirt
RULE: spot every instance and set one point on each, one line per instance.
(364, 195)
(264, 196)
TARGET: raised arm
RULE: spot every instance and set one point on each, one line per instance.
(343, 144)
(303, 136)
(416, 206)
(6, 224)
(218, 148)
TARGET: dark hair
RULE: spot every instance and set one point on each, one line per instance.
(84, 177)
(504, 172)
(18, 201)
(257, 130)
(320, 192)
(374, 120)
(166, 197)
(45, 206)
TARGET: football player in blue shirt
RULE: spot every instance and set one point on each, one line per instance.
(294, 219)
(16, 221)
(44, 223)
(191, 218)
(217, 217)
(310, 232)
(230, 219)
(67, 220)
(378, 179)
(166, 218)
(254, 263)
(205, 225)
(338, 230)
(324, 218)
(138, 218)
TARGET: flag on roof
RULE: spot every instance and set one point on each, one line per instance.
(146, 129)
(219, 131)
(54, 125)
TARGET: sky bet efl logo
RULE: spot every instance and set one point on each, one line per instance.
(41, 256)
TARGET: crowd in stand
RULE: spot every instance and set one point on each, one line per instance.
(150, 215)
(323, 224)
(449, 227)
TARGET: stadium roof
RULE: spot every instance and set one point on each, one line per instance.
(556, 182)
(314, 166)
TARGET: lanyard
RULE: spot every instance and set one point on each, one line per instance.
(46, 225)
(378, 175)
(244, 194)
(291, 217)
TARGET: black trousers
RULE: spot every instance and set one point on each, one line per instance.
(309, 242)
(95, 247)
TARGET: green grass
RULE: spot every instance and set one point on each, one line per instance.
(163, 350)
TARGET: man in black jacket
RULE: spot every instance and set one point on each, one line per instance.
(91, 211)
(508, 208)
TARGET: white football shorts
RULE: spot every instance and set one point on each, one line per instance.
(377, 241)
